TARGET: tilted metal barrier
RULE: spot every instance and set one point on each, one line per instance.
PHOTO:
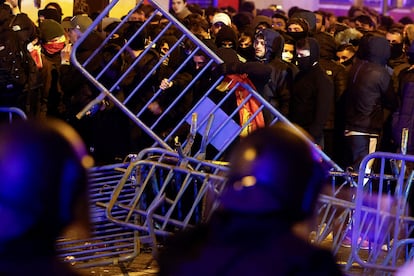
(109, 243)
(173, 182)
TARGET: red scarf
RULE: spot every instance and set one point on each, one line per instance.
(53, 47)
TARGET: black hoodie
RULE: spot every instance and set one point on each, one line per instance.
(369, 87)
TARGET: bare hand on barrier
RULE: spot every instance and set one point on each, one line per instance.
(155, 108)
(165, 84)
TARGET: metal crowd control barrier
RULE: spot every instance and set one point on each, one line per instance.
(382, 219)
(172, 192)
(12, 113)
(109, 243)
(169, 186)
(372, 217)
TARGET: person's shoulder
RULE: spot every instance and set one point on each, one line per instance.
(300, 255)
(406, 270)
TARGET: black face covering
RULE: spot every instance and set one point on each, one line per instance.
(348, 62)
(298, 35)
(396, 50)
(304, 63)
(247, 53)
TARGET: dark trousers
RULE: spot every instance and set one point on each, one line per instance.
(358, 146)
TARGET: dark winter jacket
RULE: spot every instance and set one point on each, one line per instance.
(78, 91)
(237, 244)
(277, 90)
(311, 96)
(369, 87)
(334, 71)
(404, 115)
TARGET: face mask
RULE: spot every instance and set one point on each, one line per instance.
(287, 56)
(348, 62)
(297, 35)
(54, 47)
(246, 52)
(304, 63)
(396, 50)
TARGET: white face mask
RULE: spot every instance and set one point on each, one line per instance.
(287, 56)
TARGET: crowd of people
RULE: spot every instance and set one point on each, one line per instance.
(345, 80)
(340, 78)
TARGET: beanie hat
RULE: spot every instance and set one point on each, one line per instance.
(50, 29)
(221, 17)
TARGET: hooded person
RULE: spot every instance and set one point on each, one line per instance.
(309, 17)
(368, 97)
(263, 192)
(264, 44)
(375, 49)
(297, 28)
(226, 37)
(308, 54)
(277, 89)
(312, 91)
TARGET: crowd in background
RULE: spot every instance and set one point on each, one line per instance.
(346, 80)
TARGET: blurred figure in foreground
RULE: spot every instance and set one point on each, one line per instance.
(43, 191)
(254, 230)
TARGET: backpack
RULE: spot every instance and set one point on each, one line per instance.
(15, 61)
